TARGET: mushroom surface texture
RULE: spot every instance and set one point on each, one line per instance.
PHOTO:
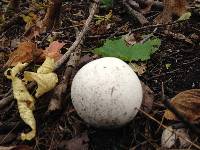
(106, 93)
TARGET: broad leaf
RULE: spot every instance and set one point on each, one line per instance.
(118, 48)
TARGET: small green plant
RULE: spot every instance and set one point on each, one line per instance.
(120, 49)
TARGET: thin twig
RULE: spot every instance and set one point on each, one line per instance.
(164, 126)
(5, 101)
(64, 58)
(9, 133)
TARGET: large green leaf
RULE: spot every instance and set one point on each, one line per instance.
(118, 48)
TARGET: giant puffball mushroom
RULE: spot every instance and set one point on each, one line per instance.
(106, 93)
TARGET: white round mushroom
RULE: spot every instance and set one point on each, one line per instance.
(106, 93)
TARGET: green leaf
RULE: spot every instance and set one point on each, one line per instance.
(106, 3)
(118, 48)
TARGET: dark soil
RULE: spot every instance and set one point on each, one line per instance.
(142, 132)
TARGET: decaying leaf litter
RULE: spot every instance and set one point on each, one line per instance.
(174, 65)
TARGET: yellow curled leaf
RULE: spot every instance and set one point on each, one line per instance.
(44, 77)
(21, 94)
(27, 115)
(47, 66)
(25, 101)
(11, 73)
(45, 82)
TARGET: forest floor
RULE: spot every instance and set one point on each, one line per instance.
(175, 66)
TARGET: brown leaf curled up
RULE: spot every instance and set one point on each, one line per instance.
(148, 98)
(22, 54)
(25, 52)
(188, 104)
(172, 7)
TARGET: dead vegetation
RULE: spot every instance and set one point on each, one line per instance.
(68, 31)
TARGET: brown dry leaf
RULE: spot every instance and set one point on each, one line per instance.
(53, 51)
(35, 30)
(148, 98)
(172, 136)
(130, 39)
(29, 19)
(77, 143)
(168, 138)
(188, 104)
(140, 69)
(194, 36)
(183, 133)
(149, 4)
(25, 53)
(177, 7)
